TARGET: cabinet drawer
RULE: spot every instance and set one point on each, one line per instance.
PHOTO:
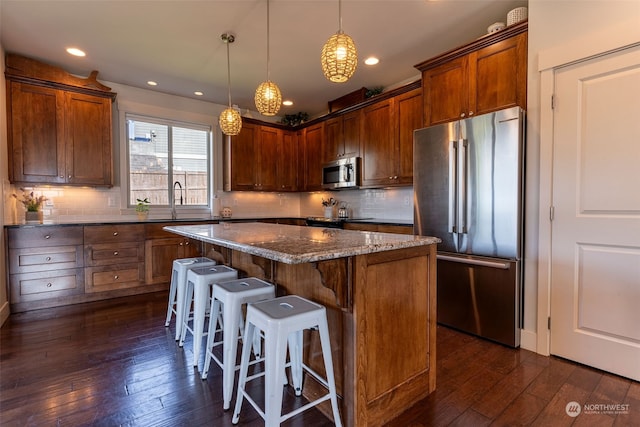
(34, 237)
(107, 278)
(110, 254)
(113, 233)
(26, 260)
(45, 285)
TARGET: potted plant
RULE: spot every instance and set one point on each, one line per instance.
(142, 208)
(32, 204)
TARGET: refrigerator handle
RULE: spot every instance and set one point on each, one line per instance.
(453, 185)
(462, 187)
(502, 265)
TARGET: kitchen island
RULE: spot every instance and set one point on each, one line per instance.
(380, 294)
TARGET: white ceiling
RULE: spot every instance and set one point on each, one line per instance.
(177, 43)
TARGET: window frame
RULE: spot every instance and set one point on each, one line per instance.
(200, 121)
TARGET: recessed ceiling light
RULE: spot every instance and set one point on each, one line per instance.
(198, 93)
(75, 51)
(152, 83)
(372, 60)
(287, 103)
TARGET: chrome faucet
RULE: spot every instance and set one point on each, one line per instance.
(173, 199)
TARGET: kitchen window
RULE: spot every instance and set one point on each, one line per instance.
(168, 162)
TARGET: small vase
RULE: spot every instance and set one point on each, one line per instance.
(34, 217)
(328, 212)
(143, 216)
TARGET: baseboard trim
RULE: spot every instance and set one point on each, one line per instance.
(528, 340)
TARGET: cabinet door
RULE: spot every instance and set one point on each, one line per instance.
(313, 139)
(446, 89)
(88, 139)
(244, 158)
(288, 162)
(409, 118)
(36, 134)
(332, 147)
(351, 133)
(267, 168)
(498, 76)
(159, 256)
(379, 144)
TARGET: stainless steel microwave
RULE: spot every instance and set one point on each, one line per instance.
(342, 174)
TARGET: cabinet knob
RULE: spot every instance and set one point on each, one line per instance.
(462, 114)
(47, 236)
(186, 243)
(69, 177)
(180, 243)
(49, 285)
(115, 233)
(48, 259)
(115, 252)
(395, 177)
(471, 113)
(62, 176)
(116, 277)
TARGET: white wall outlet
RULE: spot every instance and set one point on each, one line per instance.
(407, 201)
(111, 202)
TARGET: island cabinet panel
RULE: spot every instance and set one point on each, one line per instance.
(381, 310)
(114, 257)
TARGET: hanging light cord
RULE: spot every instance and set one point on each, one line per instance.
(339, 16)
(268, 41)
(229, 39)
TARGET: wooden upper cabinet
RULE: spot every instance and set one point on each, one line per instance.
(88, 139)
(241, 159)
(387, 140)
(486, 75)
(313, 141)
(342, 136)
(267, 167)
(409, 118)
(288, 161)
(379, 147)
(59, 126)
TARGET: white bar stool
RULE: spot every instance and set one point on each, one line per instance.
(283, 319)
(178, 286)
(199, 283)
(230, 297)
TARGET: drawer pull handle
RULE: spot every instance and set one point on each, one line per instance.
(48, 259)
(49, 285)
(115, 252)
(47, 237)
(115, 233)
(116, 277)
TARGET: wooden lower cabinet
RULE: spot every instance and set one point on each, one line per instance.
(50, 266)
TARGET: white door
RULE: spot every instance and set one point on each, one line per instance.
(595, 267)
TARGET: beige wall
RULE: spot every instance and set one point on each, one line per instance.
(559, 30)
(4, 178)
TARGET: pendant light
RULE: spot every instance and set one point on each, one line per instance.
(339, 57)
(229, 120)
(268, 97)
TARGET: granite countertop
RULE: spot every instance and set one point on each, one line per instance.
(292, 244)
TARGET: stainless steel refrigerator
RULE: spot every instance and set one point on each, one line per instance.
(468, 185)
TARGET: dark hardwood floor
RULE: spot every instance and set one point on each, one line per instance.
(114, 363)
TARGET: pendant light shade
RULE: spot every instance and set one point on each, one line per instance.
(229, 120)
(339, 57)
(268, 97)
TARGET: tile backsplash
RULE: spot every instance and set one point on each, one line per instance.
(69, 204)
